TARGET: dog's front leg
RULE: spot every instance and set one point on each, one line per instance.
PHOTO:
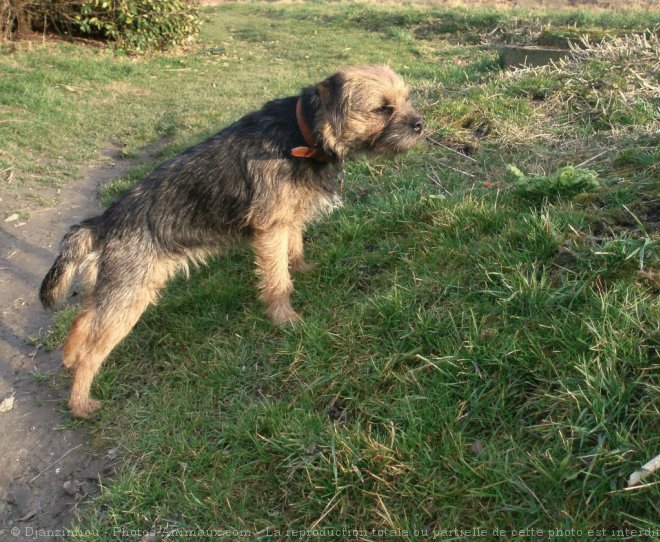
(271, 247)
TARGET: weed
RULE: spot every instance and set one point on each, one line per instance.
(565, 182)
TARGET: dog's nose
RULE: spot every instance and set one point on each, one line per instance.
(417, 124)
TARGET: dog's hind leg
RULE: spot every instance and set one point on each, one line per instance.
(80, 328)
(296, 256)
(106, 327)
(118, 301)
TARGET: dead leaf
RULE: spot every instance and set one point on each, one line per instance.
(477, 447)
(637, 477)
(111, 454)
(7, 404)
(73, 487)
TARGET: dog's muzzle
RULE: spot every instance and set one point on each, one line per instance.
(417, 124)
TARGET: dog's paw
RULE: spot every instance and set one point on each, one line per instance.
(283, 315)
(69, 361)
(84, 409)
(302, 266)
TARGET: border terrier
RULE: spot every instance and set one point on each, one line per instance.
(261, 179)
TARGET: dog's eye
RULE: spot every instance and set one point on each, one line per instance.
(385, 109)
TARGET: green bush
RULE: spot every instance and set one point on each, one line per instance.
(140, 25)
(135, 25)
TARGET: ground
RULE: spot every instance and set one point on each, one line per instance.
(476, 349)
(52, 465)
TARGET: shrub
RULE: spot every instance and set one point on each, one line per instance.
(135, 25)
(140, 25)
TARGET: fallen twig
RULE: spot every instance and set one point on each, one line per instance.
(456, 169)
(60, 459)
(435, 179)
(589, 160)
(435, 142)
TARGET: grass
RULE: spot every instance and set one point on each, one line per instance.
(468, 357)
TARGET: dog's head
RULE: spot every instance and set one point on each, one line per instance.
(365, 109)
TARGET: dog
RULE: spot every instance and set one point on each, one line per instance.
(262, 179)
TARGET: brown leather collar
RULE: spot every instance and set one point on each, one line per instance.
(312, 150)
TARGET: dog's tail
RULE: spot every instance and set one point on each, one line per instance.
(77, 243)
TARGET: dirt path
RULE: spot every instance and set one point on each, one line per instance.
(48, 468)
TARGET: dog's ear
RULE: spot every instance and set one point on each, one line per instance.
(333, 107)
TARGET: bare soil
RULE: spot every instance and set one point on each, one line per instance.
(48, 466)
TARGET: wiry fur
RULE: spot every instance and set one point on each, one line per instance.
(240, 184)
(77, 244)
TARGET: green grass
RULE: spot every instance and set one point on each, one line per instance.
(468, 358)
